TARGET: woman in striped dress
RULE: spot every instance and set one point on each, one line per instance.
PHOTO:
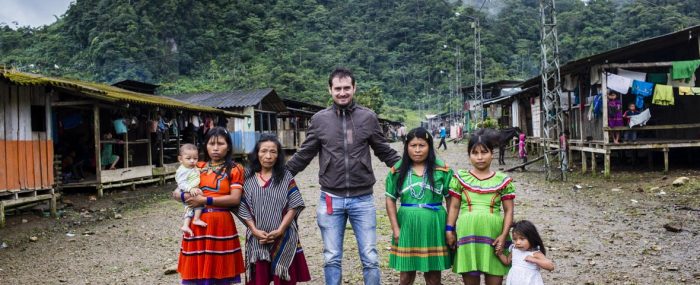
(421, 182)
(212, 255)
(269, 208)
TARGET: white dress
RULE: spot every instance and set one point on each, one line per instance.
(521, 271)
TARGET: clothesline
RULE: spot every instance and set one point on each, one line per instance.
(643, 85)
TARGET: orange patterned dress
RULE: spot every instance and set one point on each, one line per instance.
(213, 254)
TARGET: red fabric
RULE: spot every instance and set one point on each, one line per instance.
(329, 204)
(214, 251)
(298, 272)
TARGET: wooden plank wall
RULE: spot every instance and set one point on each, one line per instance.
(28, 156)
(4, 99)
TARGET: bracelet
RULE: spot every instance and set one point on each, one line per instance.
(210, 201)
(449, 228)
(182, 197)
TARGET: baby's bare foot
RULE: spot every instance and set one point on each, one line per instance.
(199, 223)
(187, 230)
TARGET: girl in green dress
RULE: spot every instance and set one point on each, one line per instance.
(421, 182)
(475, 211)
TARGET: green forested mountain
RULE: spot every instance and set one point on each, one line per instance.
(404, 49)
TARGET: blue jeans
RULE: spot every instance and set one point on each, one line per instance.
(363, 218)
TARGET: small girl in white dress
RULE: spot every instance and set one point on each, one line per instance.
(527, 256)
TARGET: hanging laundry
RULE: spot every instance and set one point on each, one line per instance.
(639, 102)
(642, 88)
(618, 83)
(684, 90)
(657, 78)
(641, 119)
(663, 95)
(681, 82)
(595, 74)
(570, 82)
(634, 75)
(696, 90)
(684, 69)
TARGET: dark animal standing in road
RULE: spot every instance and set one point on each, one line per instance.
(504, 137)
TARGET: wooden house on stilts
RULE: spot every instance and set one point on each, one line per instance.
(262, 108)
(659, 76)
(62, 133)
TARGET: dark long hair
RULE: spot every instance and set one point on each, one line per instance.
(484, 137)
(278, 169)
(528, 230)
(406, 162)
(228, 158)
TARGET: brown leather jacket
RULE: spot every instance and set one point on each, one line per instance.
(342, 138)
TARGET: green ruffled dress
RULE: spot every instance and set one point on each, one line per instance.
(480, 221)
(421, 245)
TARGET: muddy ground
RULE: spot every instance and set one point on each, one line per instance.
(607, 232)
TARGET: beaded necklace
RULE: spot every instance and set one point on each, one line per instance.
(209, 168)
(417, 194)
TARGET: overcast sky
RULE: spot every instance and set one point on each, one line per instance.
(32, 12)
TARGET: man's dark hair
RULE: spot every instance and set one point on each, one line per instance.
(341, 72)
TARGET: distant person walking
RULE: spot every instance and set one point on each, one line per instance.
(402, 133)
(341, 136)
(443, 135)
(522, 148)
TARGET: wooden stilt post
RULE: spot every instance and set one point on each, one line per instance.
(584, 166)
(150, 151)
(593, 164)
(126, 150)
(606, 170)
(604, 87)
(160, 152)
(665, 160)
(2, 215)
(98, 158)
(52, 204)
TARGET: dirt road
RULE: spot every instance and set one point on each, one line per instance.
(607, 232)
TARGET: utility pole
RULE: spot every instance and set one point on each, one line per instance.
(478, 74)
(553, 120)
(458, 88)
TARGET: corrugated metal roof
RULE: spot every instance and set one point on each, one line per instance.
(235, 99)
(104, 92)
(626, 53)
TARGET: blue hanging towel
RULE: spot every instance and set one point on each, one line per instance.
(641, 89)
(598, 105)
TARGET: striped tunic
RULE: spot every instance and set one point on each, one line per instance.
(266, 207)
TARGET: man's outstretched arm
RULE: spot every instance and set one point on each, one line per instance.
(308, 150)
(380, 145)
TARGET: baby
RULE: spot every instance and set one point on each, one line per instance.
(187, 178)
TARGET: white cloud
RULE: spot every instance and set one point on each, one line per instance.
(32, 12)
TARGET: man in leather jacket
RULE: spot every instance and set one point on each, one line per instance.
(342, 135)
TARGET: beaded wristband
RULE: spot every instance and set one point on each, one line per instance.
(449, 228)
(210, 201)
(182, 197)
